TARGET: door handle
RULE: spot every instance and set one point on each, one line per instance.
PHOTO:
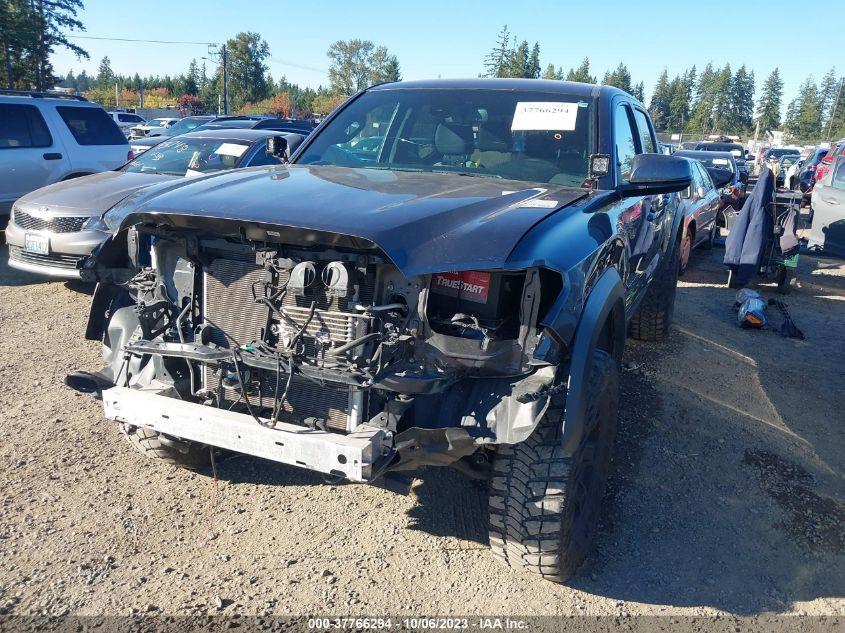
(52, 156)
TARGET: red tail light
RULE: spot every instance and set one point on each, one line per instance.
(130, 155)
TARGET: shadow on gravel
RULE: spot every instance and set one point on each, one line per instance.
(729, 461)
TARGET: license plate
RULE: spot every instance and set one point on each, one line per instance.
(38, 244)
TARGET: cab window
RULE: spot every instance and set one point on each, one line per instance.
(646, 139)
(626, 148)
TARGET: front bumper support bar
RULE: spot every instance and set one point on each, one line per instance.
(357, 456)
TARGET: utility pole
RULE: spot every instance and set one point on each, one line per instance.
(225, 55)
(116, 97)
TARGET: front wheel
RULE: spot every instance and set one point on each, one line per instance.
(171, 451)
(544, 503)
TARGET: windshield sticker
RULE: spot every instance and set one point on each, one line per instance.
(721, 161)
(544, 116)
(534, 203)
(190, 173)
(231, 149)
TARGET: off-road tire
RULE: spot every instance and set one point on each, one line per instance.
(545, 504)
(174, 452)
(653, 317)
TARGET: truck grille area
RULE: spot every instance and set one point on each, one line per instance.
(236, 319)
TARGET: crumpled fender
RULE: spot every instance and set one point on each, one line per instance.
(606, 298)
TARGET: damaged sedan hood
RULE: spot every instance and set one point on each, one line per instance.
(424, 222)
(95, 194)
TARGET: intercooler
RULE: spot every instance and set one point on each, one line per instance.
(236, 319)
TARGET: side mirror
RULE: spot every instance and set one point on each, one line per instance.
(277, 146)
(720, 177)
(653, 174)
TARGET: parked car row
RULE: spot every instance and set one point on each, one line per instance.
(52, 137)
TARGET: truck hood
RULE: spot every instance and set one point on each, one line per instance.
(424, 222)
(93, 194)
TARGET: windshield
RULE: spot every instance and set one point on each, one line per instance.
(157, 122)
(777, 153)
(718, 163)
(185, 125)
(526, 136)
(189, 157)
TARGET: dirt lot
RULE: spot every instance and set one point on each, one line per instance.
(727, 494)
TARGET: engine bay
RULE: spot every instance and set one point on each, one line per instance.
(331, 338)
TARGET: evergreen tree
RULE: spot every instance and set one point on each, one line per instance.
(804, 114)
(701, 116)
(827, 93)
(105, 74)
(392, 71)
(661, 99)
(191, 83)
(518, 62)
(768, 107)
(550, 73)
(639, 92)
(619, 78)
(533, 69)
(494, 63)
(582, 73)
(722, 108)
(742, 100)
(835, 125)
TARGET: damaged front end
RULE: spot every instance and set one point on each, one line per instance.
(314, 349)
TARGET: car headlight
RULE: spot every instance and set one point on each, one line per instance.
(95, 223)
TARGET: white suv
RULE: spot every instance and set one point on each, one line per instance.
(45, 138)
(127, 120)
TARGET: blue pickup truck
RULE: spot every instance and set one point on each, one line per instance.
(443, 273)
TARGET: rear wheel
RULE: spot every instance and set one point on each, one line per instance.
(169, 450)
(686, 251)
(711, 236)
(545, 504)
(654, 315)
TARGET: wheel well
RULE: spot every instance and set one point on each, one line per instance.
(608, 339)
(691, 228)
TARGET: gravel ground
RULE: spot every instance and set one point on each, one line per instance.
(727, 495)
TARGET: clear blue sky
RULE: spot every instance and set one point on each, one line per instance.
(437, 38)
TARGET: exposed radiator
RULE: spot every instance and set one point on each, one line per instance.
(236, 319)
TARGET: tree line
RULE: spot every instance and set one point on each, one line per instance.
(714, 100)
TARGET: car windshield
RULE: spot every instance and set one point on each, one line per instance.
(157, 122)
(526, 135)
(733, 148)
(717, 163)
(777, 153)
(189, 157)
(185, 125)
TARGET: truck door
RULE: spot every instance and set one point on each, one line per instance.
(631, 219)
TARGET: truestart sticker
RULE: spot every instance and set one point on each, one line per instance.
(545, 116)
(471, 285)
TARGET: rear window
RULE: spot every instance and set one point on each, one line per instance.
(91, 126)
(22, 126)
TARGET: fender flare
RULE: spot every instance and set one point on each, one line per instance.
(606, 299)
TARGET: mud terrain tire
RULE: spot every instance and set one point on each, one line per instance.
(174, 452)
(653, 317)
(545, 504)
